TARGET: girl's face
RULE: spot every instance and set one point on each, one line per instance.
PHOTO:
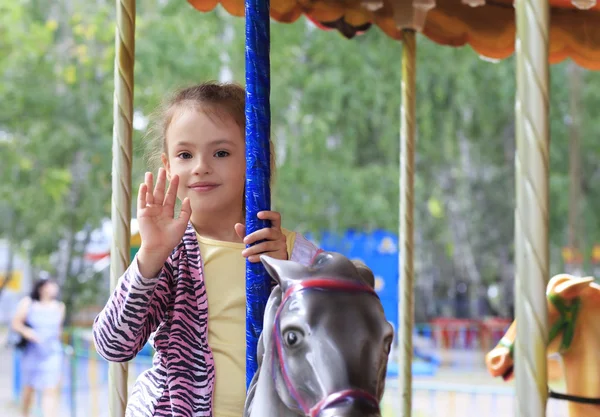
(208, 154)
(49, 291)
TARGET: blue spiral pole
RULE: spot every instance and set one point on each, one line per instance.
(258, 172)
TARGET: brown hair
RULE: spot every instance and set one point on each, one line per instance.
(220, 100)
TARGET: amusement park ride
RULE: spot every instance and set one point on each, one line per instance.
(539, 32)
(573, 309)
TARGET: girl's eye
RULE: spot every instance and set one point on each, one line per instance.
(185, 155)
(221, 154)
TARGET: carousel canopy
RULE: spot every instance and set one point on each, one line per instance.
(487, 25)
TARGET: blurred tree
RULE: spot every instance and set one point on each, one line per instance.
(335, 120)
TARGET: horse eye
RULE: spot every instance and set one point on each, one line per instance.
(292, 337)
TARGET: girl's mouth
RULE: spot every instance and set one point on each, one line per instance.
(203, 186)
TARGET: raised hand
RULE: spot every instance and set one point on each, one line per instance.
(160, 231)
(274, 244)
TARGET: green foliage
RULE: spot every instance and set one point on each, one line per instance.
(335, 119)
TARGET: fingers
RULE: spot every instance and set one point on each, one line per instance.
(272, 241)
(268, 233)
(142, 196)
(186, 211)
(157, 199)
(149, 196)
(240, 230)
(159, 190)
(171, 195)
(264, 248)
(276, 250)
(274, 216)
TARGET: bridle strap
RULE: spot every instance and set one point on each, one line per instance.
(325, 283)
(574, 398)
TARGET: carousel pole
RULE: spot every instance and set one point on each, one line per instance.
(407, 203)
(121, 178)
(410, 18)
(531, 219)
(258, 166)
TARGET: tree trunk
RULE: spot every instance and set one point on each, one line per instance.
(424, 275)
(76, 271)
(507, 280)
(575, 231)
(78, 173)
(457, 196)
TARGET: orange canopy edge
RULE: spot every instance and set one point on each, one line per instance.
(488, 29)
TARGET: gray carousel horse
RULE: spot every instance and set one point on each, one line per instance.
(325, 344)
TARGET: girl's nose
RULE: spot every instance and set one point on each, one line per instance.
(202, 166)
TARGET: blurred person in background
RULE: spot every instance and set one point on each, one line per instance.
(39, 319)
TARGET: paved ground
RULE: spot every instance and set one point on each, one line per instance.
(7, 402)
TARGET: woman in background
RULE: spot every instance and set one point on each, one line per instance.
(39, 319)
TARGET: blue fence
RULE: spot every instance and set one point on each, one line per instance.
(379, 250)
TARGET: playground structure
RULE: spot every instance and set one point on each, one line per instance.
(493, 29)
(575, 335)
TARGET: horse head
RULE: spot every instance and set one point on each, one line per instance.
(325, 342)
(562, 295)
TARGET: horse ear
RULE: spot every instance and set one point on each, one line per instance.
(281, 271)
(365, 273)
(556, 280)
(572, 288)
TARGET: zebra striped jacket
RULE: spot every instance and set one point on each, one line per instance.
(174, 308)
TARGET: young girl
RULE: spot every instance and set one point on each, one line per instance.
(187, 281)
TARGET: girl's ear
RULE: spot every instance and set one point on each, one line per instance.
(166, 165)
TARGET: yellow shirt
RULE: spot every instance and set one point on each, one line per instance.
(225, 277)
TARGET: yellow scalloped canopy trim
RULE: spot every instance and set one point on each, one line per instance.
(489, 29)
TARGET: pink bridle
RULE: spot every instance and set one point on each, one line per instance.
(322, 283)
